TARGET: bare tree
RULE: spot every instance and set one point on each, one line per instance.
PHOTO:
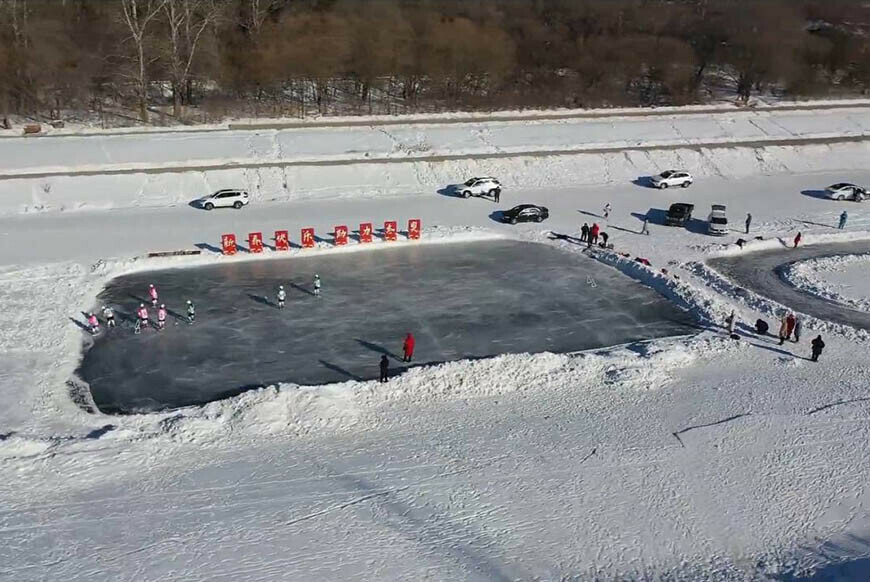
(187, 20)
(138, 15)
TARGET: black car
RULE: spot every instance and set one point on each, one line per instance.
(525, 213)
(679, 214)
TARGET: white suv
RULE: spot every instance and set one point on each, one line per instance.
(480, 187)
(672, 178)
(224, 199)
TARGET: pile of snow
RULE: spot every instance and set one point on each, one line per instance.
(843, 279)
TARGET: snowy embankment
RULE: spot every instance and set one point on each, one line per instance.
(844, 279)
(115, 171)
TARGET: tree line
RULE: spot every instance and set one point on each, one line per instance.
(203, 60)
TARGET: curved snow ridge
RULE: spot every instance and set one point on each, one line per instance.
(843, 279)
(353, 405)
(730, 250)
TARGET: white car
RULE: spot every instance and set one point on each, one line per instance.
(672, 178)
(845, 191)
(224, 199)
(717, 222)
(480, 187)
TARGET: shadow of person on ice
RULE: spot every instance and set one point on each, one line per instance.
(377, 348)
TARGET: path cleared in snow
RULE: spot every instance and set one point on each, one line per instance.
(459, 300)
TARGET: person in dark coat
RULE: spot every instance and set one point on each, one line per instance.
(761, 327)
(797, 240)
(604, 237)
(584, 232)
(408, 347)
(385, 368)
(818, 346)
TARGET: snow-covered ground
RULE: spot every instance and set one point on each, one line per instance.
(698, 458)
(844, 280)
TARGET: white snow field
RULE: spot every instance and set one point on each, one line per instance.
(844, 279)
(698, 458)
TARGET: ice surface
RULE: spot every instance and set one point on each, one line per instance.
(459, 300)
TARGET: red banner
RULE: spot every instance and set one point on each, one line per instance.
(365, 232)
(282, 240)
(228, 244)
(307, 238)
(390, 230)
(255, 242)
(340, 235)
(414, 228)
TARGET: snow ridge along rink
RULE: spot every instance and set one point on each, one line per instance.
(695, 458)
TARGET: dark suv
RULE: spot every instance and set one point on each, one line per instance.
(679, 214)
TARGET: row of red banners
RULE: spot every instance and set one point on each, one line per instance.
(340, 234)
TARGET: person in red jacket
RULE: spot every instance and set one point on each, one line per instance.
(593, 234)
(797, 240)
(408, 347)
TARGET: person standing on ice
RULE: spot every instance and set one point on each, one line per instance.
(161, 317)
(191, 312)
(385, 368)
(282, 296)
(607, 209)
(152, 293)
(818, 346)
(797, 240)
(93, 324)
(798, 327)
(109, 315)
(316, 285)
(584, 232)
(843, 218)
(408, 347)
(748, 222)
(142, 314)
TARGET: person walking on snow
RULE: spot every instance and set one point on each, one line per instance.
(584, 232)
(593, 234)
(789, 325)
(109, 315)
(93, 324)
(645, 228)
(798, 327)
(783, 329)
(408, 347)
(152, 293)
(161, 317)
(843, 218)
(797, 240)
(607, 209)
(818, 346)
(282, 295)
(385, 368)
(317, 285)
(748, 222)
(731, 321)
(191, 312)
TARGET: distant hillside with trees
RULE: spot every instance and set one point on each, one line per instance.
(169, 61)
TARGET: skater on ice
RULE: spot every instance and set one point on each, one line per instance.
(191, 312)
(408, 347)
(317, 285)
(282, 296)
(93, 324)
(385, 368)
(818, 346)
(109, 315)
(161, 317)
(141, 317)
(152, 293)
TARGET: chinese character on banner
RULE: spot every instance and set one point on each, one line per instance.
(414, 228)
(282, 240)
(390, 230)
(307, 238)
(228, 244)
(340, 235)
(365, 232)
(255, 242)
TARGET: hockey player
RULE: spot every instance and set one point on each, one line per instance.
(191, 312)
(142, 314)
(282, 296)
(109, 315)
(317, 285)
(93, 324)
(152, 293)
(161, 317)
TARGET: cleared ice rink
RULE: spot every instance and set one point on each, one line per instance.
(467, 300)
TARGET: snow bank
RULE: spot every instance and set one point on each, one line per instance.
(843, 279)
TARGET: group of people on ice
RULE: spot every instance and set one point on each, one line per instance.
(142, 315)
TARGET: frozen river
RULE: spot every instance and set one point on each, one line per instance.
(459, 300)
